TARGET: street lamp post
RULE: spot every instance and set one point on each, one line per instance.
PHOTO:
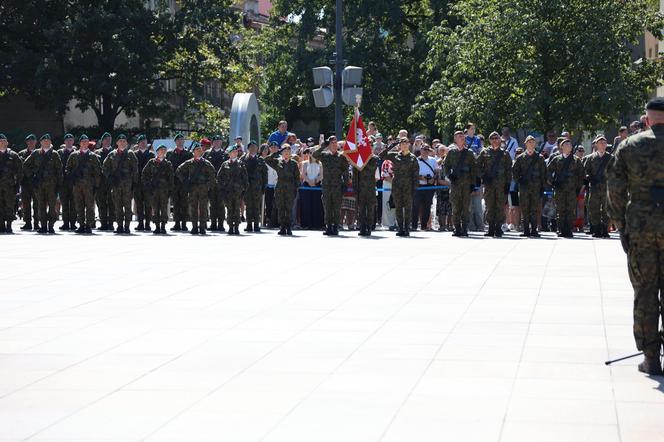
(338, 65)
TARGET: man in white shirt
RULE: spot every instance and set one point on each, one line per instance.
(424, 197)
(510, 142)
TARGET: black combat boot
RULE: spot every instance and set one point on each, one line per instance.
(282, 230)
(36, 226)
(126, 227)
(202, 228)
(162, 229)
(335, 230)
(221, 226)
(289, 232)
(457, 229)
(362, 231)
(400, 231)
(72, 225)
(596, 231)
(176, 227)
(9, 227)
(533, 231)
(88, 229)
(651, 365)
(51, 227)
(27, 226)
(464, 230)
(257, 228)
(567, 231)
(64, 226)
(194, 229)
(140, 227)
(3, 228)
(526, 230)
(213, 225)
(605, 231)
(119, 229)
(406, 231)
(147, 226)
(492, 231)
(184, 226)
(249, 227)
(499, 230)
(328, 230)
(591, 231)
(231, 230)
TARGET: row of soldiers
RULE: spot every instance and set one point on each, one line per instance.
(195, 182)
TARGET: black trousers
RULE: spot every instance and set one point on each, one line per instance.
(422, 208)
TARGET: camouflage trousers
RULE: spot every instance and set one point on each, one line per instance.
(45, 199)
(403, 205)
(332, 196)
(104, 203)
(283, 198)
(179, 200)
(28, 204)
(159, 204)
(565, 200)
(645, 261)
(530, 198)
(198, 204)
(67, 208)
(597, 205)
(366, 205)
(233, 202)
(84, 203)
(460, 200)
(7, 202)
(121, 195)
(253, 200)
(217, 210)
(495, 200)
(142, 202)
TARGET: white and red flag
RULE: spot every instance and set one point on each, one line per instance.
(357, 147)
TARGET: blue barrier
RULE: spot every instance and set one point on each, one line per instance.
(271, 186)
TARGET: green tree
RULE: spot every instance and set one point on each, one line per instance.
(539, 64)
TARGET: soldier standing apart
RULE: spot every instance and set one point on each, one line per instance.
(121, 172)
(529, 171)
(28, 203)
(158, 178)
(216, 156)
(44, 171)
(11, 172)
(364, 186)
(495, 169)
(404, 185)
(66, 195)
(566, 176)
(595, 166)
(233, 181)
(288, 181)
(141, 199)
(335, 174)
(103, 194)
(199, 178)
(257, 174)
(83, 172)
(179, 196)
(636, 203)
(459, 166)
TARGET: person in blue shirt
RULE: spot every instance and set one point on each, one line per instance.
(279, 135)
(473, 141)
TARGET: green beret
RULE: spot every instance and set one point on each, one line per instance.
(83, 137)
(141, 138)
(45, 137)
(230, 149)
(105, 135)
(195, 145)
(68, 136)
(252, 142)
(3, 136)
(31, 137)
(179, 135)
(161, 146)
(216, 137)
(656, 104)
(121, 137)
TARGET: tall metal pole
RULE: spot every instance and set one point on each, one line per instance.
(338, 68)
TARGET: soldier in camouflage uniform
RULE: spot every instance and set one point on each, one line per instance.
(529, 171)
(288, 181)
(141, 199)
(199, 178)
(636, 203)
(179, 196)
(566, 177)
(253, 198)
(11, 172)
(364, 186)
(28, 203)
(103, 193)
(121, 171)
(459, 166)
(83, 172)
(216, 155)
(158, 178)
(405, 182)
(233, 181)
(494, 167)
(43, 170)
(66, 194)
(335, 176)
(595, 166)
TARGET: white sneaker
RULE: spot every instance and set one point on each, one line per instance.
(505, 228)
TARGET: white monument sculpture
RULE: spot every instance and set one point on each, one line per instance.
(245, 118)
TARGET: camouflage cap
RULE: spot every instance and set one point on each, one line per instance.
(161, 146)
(599, 137)
(140, 138)
(3, 136)
(31, 137)
(216, 137)
(230, 149)
(252, 143)
(105, 135)
(45, 137)
(656, 104)
(196, 145)
(83, 137)
(178, 136)
(68, 136)
(121, 137)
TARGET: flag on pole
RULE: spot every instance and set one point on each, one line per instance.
(357, 147)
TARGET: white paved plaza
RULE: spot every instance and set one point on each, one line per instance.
(431, 338)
